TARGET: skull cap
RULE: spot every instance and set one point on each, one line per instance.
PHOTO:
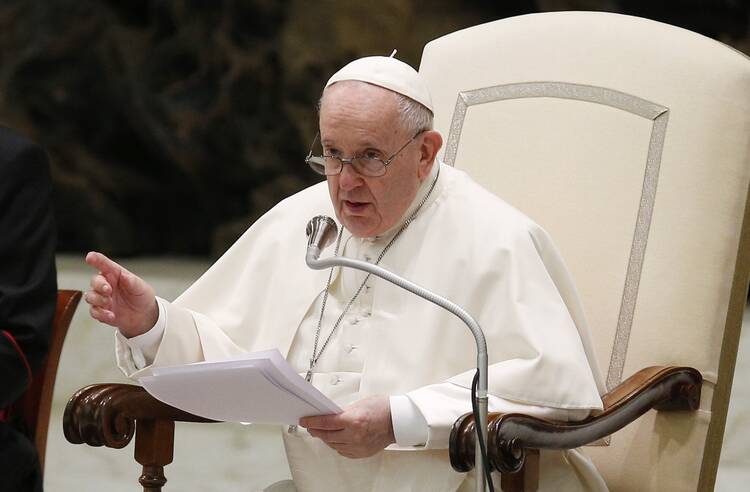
(389, 73)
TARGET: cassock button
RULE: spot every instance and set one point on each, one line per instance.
(335, 380)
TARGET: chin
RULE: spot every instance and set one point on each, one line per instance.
(359, 226)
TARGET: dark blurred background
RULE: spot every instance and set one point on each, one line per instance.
(172, 125)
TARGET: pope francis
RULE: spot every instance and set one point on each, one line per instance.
(399, 366)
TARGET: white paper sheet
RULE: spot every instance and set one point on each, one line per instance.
(259, 387)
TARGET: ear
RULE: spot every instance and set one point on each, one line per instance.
(431, 143)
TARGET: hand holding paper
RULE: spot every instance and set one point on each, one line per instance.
(259, 387)
(360, 431)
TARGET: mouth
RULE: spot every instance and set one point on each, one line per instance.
(354, 208)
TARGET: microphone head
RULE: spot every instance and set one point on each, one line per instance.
(321, 231)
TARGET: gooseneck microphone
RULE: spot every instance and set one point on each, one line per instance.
(321, 232)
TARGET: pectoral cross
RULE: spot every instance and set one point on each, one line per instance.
(308, 377)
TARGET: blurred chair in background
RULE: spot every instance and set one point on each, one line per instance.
(32, 411)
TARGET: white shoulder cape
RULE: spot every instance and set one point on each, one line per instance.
(466, 245)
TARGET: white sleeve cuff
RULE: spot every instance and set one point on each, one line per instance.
(409, 425)
(143, 347)
(441, 404)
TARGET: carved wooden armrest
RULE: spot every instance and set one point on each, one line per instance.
(511, 435)
(106, 415)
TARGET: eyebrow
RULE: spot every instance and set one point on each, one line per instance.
(368, 144)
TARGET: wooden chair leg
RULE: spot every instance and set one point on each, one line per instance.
(154, 449)
(526, 479)
(111, 414)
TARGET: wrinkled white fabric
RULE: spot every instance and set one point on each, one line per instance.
(467, 245)
(389, 73)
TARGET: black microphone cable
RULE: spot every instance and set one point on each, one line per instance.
(482, 446)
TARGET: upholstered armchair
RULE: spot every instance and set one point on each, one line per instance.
(628, 140)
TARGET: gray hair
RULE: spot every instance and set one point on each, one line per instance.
(415, 117)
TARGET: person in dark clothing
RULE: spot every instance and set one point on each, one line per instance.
(28, 293)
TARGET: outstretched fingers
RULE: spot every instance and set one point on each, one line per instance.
(100, 304)
(101, 314)
(103, 264)
(99, 297)
(100, 285)
(120, 298)
(98, 300)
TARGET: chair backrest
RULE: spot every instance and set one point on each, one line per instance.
(34, 406)
(629, 141)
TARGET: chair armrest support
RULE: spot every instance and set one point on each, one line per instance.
(106, 415)
(509, 435)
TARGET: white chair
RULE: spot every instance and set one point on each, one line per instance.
(628, 140)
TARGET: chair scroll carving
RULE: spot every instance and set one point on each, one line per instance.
(512, 436)
(111, 414)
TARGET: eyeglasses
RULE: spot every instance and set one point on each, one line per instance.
(330, 165)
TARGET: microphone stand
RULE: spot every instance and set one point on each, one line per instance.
(321, 232)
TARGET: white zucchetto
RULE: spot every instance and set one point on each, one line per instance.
(389, 73)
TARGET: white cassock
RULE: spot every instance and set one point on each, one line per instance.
(466, 245)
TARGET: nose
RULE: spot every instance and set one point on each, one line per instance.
(349, 178)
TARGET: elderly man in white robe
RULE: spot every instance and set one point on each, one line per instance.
(399, 366)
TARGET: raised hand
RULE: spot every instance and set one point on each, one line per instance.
(361, 430)
(120, 298)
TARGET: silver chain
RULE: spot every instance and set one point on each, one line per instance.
(315, 354)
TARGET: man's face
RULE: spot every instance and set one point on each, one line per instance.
(362, 119)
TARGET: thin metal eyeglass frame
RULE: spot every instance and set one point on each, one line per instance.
(350, 160)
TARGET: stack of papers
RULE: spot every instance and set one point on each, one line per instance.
(258, 387)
